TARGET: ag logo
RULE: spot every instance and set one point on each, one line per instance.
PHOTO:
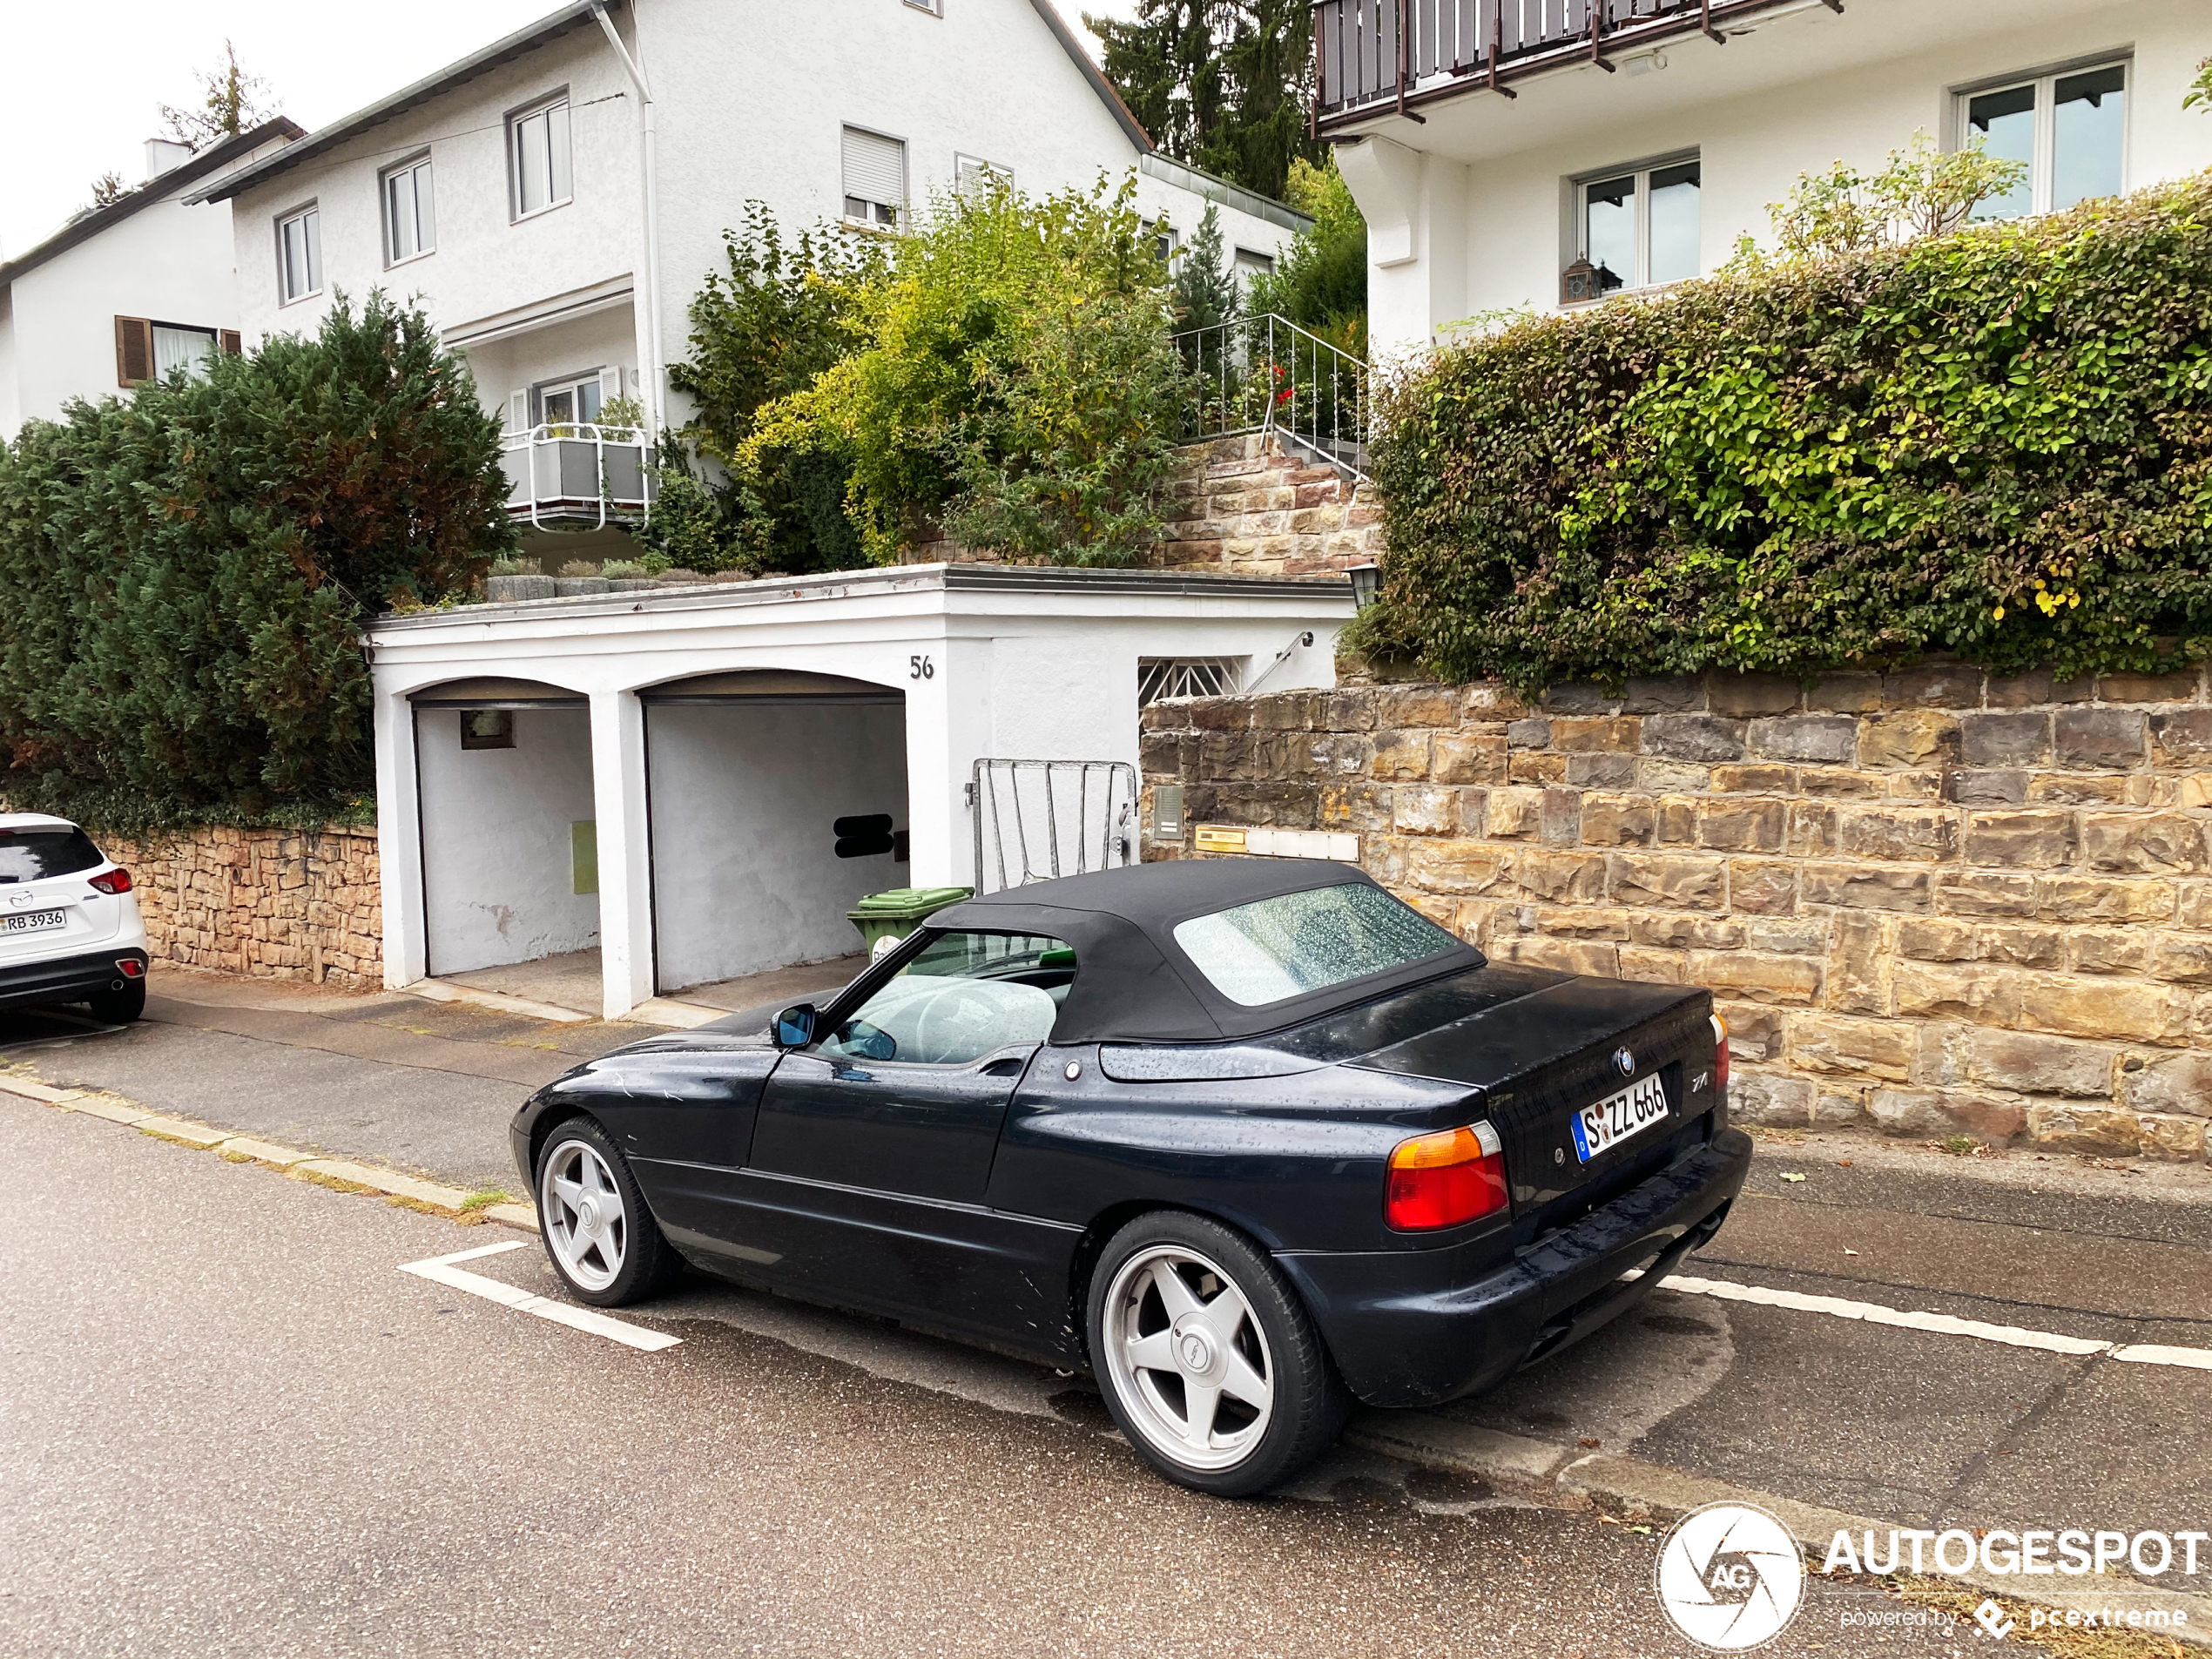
(1730, 1577)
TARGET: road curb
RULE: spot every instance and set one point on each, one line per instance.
(243, 1148)
(1639, 1491)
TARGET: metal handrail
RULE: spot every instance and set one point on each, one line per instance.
(1264, 373)
(602, 438)
(1373, 55)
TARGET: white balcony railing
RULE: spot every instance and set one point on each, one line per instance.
(570, 474)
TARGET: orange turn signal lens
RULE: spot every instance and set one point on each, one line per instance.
(1446, 1179)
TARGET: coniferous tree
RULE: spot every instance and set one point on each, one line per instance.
(1205, 293)
(231, 102)
(1223, 84)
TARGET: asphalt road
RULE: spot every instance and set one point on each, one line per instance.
(829, 1484)
(232, 1426)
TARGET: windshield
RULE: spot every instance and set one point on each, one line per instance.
(34, 854)
(1272, 948)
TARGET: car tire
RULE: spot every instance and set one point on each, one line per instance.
(598, 1234)
(1188, 1316)
(119, 1008)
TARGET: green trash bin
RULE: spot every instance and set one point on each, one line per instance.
(884, 918)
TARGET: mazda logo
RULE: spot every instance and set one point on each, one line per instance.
(1624, 1062)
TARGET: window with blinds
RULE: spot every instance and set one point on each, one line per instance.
(973, 176)
(875, 180)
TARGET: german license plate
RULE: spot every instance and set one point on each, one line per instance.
(1600, 1127)
(32, 921)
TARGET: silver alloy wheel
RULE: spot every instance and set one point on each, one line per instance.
(1187, 1358)
(585, 1220)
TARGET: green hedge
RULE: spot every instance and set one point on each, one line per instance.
(188, 572)
(1996, 443)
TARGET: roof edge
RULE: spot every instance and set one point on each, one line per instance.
(1108, 94)
(156, 189)
(460, 71)
(1215, 188)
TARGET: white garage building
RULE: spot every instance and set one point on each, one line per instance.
(700, 782)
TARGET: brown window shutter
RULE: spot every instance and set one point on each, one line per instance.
(233, 346)
(133, 351)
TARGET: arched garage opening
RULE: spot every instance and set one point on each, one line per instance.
(509, 847)
(777, 800)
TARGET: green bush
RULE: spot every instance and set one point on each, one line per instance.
(188, 572)
(1322, 282)
(1996, 442)
(762, 327)
(1016, 383)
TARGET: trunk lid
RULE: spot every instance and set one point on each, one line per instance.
(1539, 1058)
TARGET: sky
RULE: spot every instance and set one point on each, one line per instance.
(104, 68)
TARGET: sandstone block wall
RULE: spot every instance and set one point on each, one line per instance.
(1245, 506)
(1934, 903)
(277, 904)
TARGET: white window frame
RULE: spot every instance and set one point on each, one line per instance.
(1638, 281)
(309, 213)
(593, 378)
(2042, 172)
(544, 106)
(964, 164)
(900, 208)
(934, 7)
(418, 164)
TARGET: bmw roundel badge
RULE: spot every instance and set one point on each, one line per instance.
(1624, 1062)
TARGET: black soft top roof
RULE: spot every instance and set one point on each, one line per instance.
(1134, 984)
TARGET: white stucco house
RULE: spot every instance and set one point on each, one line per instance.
(124, 292)
(555, 200)
(1492, 143)
(697, 784)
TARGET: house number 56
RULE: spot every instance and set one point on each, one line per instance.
(920, 668)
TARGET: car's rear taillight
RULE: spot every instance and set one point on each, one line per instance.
(116, 880)
(1442, 1180)
(1720, 1052)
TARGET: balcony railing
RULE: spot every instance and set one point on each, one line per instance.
(1265, 374)
(568, 475)
(1375, 56)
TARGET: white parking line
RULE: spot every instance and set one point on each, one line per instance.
(440, 1270)
(2012, 1336)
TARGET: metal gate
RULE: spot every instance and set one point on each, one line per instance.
(1035, 819)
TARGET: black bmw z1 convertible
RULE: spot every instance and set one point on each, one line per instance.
(1246, 1139)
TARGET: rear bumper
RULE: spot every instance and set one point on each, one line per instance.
(64, 979)
(1418, 1328)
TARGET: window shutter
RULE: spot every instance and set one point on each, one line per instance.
(233, 346)
(875, 168)
(133, 351)
(518, 411)
(610, 387)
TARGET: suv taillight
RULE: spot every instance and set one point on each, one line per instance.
(1720, 1053)
(1445, 1179)
(112, 881)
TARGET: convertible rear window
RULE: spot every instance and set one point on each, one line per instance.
(1271, 949)
(34, 854)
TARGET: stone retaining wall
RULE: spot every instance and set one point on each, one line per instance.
(276, 904)
(1933, 902)
(1245, 506)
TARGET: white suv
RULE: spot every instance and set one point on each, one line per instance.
(70, 929)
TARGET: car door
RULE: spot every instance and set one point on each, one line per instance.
(872, 1151)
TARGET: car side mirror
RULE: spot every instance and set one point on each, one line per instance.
(795, 1026)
